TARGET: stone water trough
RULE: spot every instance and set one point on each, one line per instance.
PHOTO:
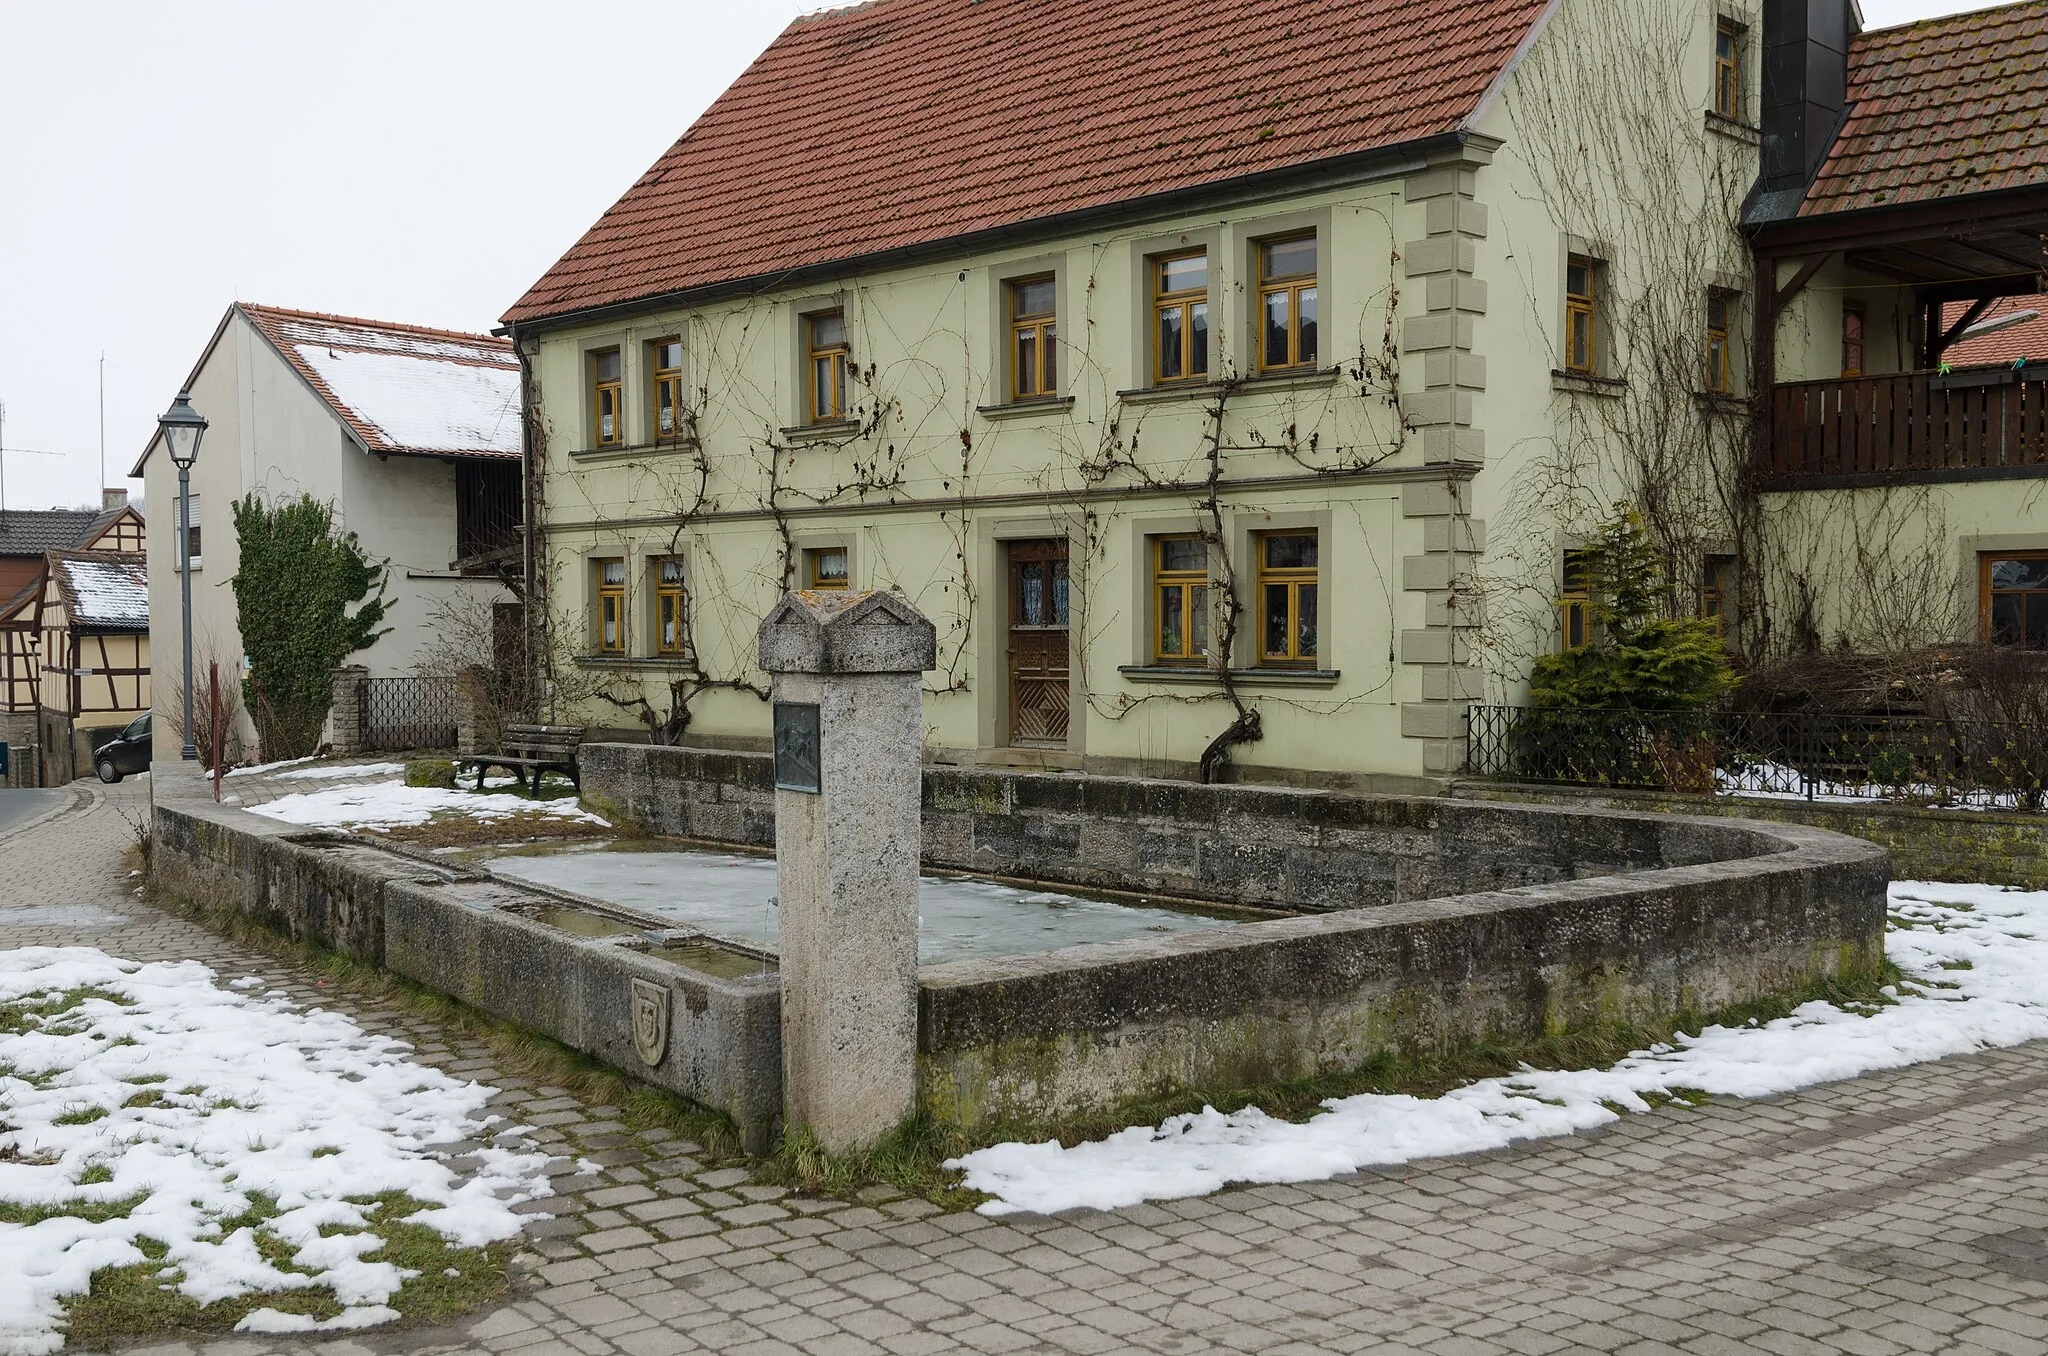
(1378, 924)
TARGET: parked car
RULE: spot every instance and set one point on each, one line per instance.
(126, 752)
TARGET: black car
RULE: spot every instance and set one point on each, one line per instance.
(126, 752)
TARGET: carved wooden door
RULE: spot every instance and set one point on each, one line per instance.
(1038, 644)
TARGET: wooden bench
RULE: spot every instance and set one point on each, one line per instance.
(531, 749)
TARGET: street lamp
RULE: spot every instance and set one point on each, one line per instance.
(182, 427)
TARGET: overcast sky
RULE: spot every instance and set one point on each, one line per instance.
(412, 160)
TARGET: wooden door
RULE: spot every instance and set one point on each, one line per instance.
(1039, 606)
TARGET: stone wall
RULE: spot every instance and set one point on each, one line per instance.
(470, 936)
(18, 729)
(1925, 844)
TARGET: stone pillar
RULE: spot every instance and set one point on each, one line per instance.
(1442, 412)
(347, 713)
(849, 759)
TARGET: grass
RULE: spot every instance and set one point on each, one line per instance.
(132, 1302)
(42, 1013)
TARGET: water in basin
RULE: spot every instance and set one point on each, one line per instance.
(958, 918)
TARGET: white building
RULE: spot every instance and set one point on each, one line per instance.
(412, 435)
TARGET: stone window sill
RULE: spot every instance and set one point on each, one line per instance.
(590, 454)
(818, 433)
(635, 661)
(1581, 384)
(1024, 409)
(1209, 390)
(1734, 129)
(1253, 677)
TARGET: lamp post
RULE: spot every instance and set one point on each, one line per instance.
(182, 427)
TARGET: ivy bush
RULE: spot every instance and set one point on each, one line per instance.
(306, 597)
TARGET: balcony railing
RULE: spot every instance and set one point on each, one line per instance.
(1910, 425)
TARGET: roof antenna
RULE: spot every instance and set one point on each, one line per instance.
(3, 456)
(103, 425)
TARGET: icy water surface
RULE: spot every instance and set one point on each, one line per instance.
(958, 918)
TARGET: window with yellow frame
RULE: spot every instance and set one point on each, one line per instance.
(665, 356)
(826, 350)
(611, 605)
(1287, 303)
(1581, 352)
(1289, 567)
(671, 607)
(606, 376)
(1717, 592)
(1180, 317)
(1180, 599)
(1575, 601)
(1720, 354)
(825, 568)
(1728, 69)
(1034, 338)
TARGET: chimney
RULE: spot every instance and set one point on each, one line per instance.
(1805, 87)
(113, 499)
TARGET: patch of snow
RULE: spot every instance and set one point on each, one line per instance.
(2001, 999)
(254, 768)
(387, 805)
(255, 1096)
(356, 1316)
(331, 770)
(426, 402)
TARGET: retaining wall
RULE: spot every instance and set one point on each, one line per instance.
(1998, 848)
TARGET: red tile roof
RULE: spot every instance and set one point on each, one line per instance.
(907, 122)
(2027, 339)
(1940, 108)
(404, 389)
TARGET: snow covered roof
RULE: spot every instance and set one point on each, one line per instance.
(103, 590)
(404, 390)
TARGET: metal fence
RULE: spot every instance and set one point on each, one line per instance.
(408, 713)
(1922, 760)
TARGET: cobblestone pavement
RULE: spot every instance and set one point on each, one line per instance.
(1902, 1213)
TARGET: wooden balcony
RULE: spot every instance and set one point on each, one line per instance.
(1979, 423)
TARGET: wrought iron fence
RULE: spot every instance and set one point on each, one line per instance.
(408, 713)
(1922, 760)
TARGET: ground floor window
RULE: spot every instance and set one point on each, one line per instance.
(670, 600)
(2014, 586)
(1288, 586)
(611, 606)
(1717, 592)
(1575, 603)
(825, 568)
(1180, 599)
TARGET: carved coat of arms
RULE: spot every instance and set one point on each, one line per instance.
(650, 1020)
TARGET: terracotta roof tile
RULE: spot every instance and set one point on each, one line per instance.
(2027, 339)
(907, 122)
(1939, 108)
(404, 389)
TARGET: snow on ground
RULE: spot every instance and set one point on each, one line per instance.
(255, 768)
(189, 1098)
(387, 805)
(331, 770)
(1976, 957)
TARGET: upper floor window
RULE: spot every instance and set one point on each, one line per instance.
(1287, 303)
(1575, 602)
(1717, 592)
(192, 551)
(825, 346)
(1180, 599)
(611, 605)
(671, 600)
(1180, 311)
(1034, 335)
(606, 384)
(1854, 323)
(1581, 277)
(1720, 356)
(2015, 593)
(666, 357)
(1728, 69)
(825, 568)
(1288, 578)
